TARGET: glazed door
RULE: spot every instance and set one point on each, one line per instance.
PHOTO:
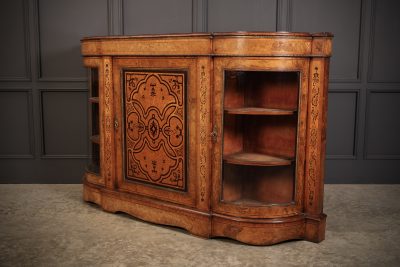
(260, 119)
(158, 125)
(94, 172)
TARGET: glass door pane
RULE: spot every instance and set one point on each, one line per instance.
(259, 132)
(94, 122)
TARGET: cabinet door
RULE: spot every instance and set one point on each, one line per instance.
(158, 126)
(94, 173)
(260, 120)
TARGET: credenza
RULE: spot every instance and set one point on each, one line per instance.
(222, 134)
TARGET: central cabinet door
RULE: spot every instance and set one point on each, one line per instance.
(157, 120)
(260, 109)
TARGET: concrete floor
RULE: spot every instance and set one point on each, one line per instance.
(49, 225)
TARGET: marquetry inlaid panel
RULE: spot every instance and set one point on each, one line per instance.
(154, 117)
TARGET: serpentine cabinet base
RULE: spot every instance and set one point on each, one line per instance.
(221, 134)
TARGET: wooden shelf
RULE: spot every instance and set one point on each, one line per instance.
(247, 202)
(256, 203)
(95, 139)
(258, 111)
(93, 99)
(256, 159)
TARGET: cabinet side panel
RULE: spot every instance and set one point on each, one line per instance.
(107, 122)
(204, 94)
(316, 136)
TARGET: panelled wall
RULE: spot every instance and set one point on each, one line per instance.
(43, 88)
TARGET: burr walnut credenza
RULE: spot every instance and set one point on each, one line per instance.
(221, 134)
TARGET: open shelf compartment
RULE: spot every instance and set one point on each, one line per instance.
(260, 135)
(262, 92)
(257, 186)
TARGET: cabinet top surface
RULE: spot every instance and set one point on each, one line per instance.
(211, 44)
(212, 35)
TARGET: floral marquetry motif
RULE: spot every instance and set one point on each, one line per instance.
(313, 134)
(155, 129)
